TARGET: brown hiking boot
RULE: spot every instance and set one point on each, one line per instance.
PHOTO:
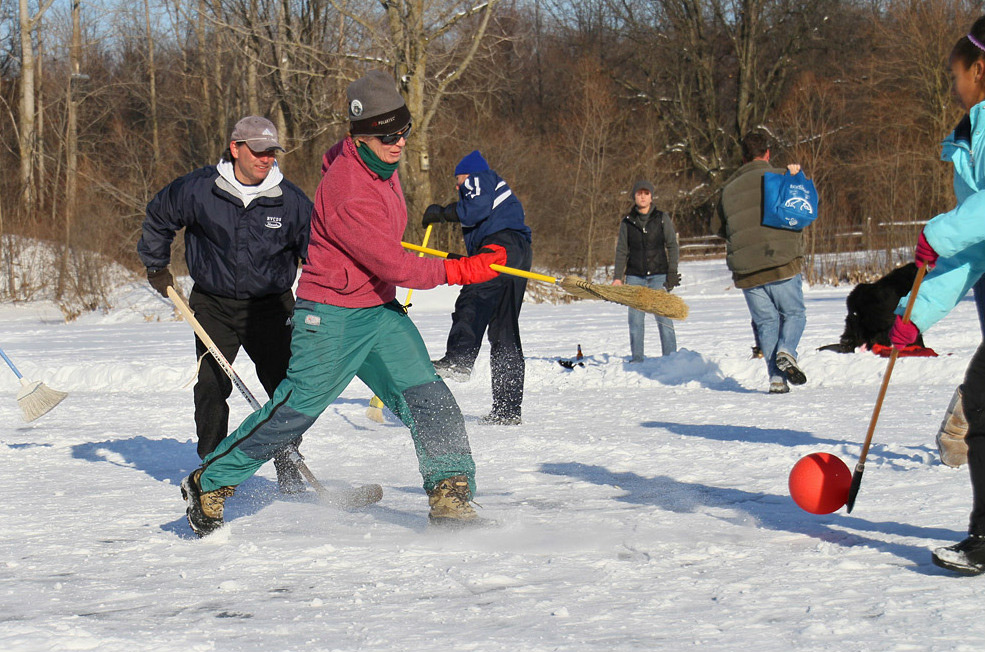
(451, 502)
(204, 509)
(951, 442)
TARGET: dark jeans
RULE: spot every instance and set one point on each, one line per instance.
(261, 326)
(495, 305)
(973, 398)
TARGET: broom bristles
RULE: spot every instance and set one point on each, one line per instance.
(37, 399)
(655, 302)
(375, 410)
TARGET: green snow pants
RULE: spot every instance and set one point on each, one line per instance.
(329, 346)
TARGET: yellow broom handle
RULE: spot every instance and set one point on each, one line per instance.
(502, 269)
(424, 243)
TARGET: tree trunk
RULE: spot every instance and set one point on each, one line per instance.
(415, 178)
(152, 90)
(71, 147)
(25, 136)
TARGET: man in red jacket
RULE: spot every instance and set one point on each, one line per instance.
(347, 323)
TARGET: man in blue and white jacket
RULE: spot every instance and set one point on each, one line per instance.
(490, 214)
(246, 231)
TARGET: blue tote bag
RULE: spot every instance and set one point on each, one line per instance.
(789, 201)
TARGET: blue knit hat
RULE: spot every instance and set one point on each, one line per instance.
(471, 164)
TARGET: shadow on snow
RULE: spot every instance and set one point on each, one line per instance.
(770, 511)
(779, 436)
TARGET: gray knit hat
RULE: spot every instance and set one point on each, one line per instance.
(258, 133)
(642, 184)
(375, 106)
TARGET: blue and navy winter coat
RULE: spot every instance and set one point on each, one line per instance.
(231, 250)
(959, 234)
(487, 205)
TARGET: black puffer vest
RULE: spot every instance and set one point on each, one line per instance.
(647, 243)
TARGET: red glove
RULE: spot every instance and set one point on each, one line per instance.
(475, 269)
(925, 254)
(903, 333)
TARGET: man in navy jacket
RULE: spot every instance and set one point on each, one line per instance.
(490, 214)
(246, 230)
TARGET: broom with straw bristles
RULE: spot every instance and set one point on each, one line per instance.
(35, 398)
(655, 302)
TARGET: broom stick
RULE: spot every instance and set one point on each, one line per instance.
(375, 409)
(656, 302)
(860, 467)
(34, 398)
(293, 456)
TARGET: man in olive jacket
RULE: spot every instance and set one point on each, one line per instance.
(647, 254)
(766, 264)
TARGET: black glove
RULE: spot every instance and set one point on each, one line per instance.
(673, 280)
(435, 214)
(160, 278)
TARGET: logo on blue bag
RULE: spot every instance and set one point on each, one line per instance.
(273, 222)
(799, 204)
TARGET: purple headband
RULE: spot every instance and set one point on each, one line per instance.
(976, 43)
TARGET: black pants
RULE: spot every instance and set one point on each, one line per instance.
(973, 399)
(495, 305)
(261, 326)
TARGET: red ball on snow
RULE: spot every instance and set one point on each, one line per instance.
(819, 483)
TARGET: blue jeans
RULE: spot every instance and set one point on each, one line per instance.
(778, 318)
(668, 339)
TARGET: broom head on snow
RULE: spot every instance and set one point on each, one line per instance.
(656, 302)
(36, 399)
(375, 409)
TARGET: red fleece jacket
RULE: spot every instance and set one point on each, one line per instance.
(354, 257)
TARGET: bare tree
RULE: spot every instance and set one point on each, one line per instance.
(712, 70)
(27, 119)
(429, 46)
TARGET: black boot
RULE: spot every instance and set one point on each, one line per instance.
(289, 478)
(448, 368)
(967, 557)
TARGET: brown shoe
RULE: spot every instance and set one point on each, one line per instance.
(451, 502)
(951, 442)
(204, 508)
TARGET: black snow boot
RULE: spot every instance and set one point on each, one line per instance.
(967, 557)
(204, 508)
(289, 478)
(447, 368)
(499, 419)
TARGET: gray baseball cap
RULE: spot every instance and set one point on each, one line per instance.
(258, 133)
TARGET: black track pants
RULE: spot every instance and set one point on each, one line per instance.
(495, 305)
(261, 326)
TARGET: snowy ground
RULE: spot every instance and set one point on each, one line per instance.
(644, 507)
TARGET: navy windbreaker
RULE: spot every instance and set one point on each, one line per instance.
(231, 250)
(487, 205)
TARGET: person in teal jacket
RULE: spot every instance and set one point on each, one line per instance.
(952, 246)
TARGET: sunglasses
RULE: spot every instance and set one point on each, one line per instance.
(390, 139)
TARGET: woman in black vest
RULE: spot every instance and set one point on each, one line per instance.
(647, 254)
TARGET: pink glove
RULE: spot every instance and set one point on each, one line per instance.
(475, 269)
(903, 333)
(925, 254)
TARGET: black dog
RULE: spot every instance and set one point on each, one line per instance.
(871, 310)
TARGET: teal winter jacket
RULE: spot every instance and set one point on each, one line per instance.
(959, 234)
